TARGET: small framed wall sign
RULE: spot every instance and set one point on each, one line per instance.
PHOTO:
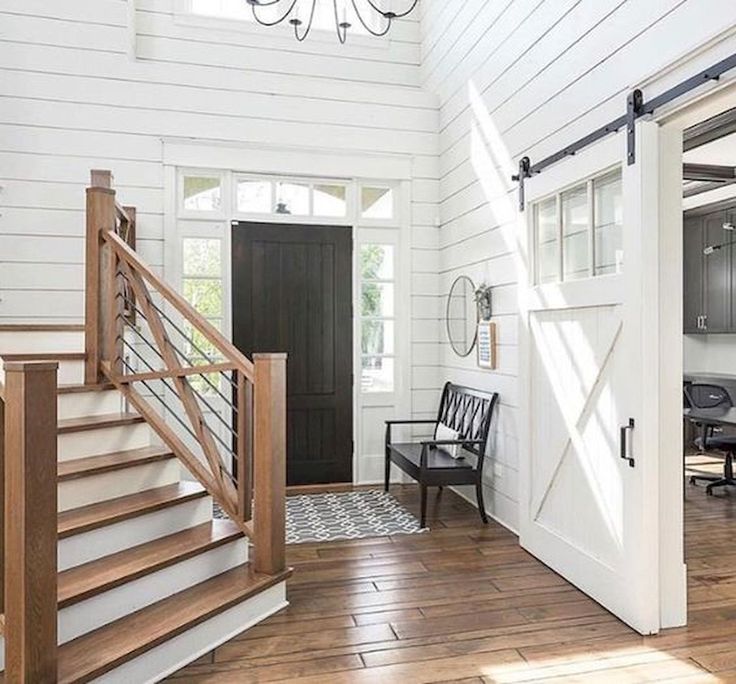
(486, 344)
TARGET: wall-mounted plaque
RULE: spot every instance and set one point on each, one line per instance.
(486, 344)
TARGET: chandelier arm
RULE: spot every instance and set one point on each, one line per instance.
(342, 32)
(309, 24)
(396, 15)
(368, 28)
(277, 21)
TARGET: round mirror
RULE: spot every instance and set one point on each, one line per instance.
(461, 316)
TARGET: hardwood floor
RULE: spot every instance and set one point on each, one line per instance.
(464, 603)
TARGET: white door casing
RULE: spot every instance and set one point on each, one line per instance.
(589, 365)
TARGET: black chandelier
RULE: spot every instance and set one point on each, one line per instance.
(383, 17)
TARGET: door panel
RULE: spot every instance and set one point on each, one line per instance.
(589, 368)
(292, 291)
(717, 276)
(693, 273)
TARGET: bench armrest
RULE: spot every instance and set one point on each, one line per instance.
(391, 423)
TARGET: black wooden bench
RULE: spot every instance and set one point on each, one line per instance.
(429, 462)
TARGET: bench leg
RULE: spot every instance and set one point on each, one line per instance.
(423, 505)
(481, 505)
(387, 473)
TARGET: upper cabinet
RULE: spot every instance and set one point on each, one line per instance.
(709, 299)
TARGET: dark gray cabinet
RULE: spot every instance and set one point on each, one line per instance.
(709, 302)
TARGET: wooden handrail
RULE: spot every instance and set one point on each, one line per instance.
(29, 521)
(247, 479)
(172, 297)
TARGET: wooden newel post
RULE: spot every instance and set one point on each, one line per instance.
(30, 522)
(269, 467)
(99, 260)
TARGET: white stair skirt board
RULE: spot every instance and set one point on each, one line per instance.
(111, 485)
(87, 546)
(105, 440)
(111, 605)
(41, 342)
(81, 404)
(175, 653)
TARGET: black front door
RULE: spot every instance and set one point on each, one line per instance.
(292, 292)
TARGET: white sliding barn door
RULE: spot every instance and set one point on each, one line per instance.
(588, 371)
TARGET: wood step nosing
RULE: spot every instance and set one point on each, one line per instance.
(129, 514)
(261, 583)
(185, 554)
(111, 466)
(87, 423)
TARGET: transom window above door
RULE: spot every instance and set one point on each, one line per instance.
(578, 233)
(258, 196)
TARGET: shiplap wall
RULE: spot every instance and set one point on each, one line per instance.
(73, 98)
(519, 77)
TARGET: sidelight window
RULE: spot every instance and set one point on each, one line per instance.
(202, 288)
(378, 317)
(578, 233)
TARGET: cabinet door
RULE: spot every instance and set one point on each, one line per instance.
(693, 274)
(717, 276)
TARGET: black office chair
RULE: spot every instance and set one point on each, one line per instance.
(707, 396)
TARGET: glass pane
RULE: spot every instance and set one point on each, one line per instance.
(204, 295)
(608, 213)
(292, 198)
(377, 262)
(329, 200)
(378, 300)
(575, 234)
(377, 374)
(547, 247)
(197, 347)
(376, 203)
(202, 257)
(254, 197)
(201, 193)
(377, 337)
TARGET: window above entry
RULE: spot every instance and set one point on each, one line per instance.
(323, 21)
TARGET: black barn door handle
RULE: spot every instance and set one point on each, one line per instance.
(625, 442)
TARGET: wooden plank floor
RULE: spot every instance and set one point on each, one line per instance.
(463, 603)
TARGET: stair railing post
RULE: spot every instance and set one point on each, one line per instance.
(30, 579)
(97, 315)
(269, 466)
(244, 453)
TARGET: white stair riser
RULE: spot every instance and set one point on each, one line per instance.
(104, 440)
(78, 404)
(70, 372)
(39, 342)
(173, 654)
(88, 546)
(110, 485)
(111, 605)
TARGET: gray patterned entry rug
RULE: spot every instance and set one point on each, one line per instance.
(346, 515)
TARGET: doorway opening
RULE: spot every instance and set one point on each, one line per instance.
(292, 292)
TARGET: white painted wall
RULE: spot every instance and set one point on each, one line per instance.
(527, 77)
(73, 97)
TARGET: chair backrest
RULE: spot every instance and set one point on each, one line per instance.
(703, 395)
(468, 411)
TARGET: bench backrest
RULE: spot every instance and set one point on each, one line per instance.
(469, 412)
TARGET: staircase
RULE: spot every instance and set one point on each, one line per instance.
(133, 577)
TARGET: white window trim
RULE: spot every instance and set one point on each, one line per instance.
(373, 169)
(184, 16)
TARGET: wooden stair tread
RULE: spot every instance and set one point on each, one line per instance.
(94, 465)
(95, 577)
(45, 356)
(97, 515)
(81, 389)
(102, 420)
(96, 653)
